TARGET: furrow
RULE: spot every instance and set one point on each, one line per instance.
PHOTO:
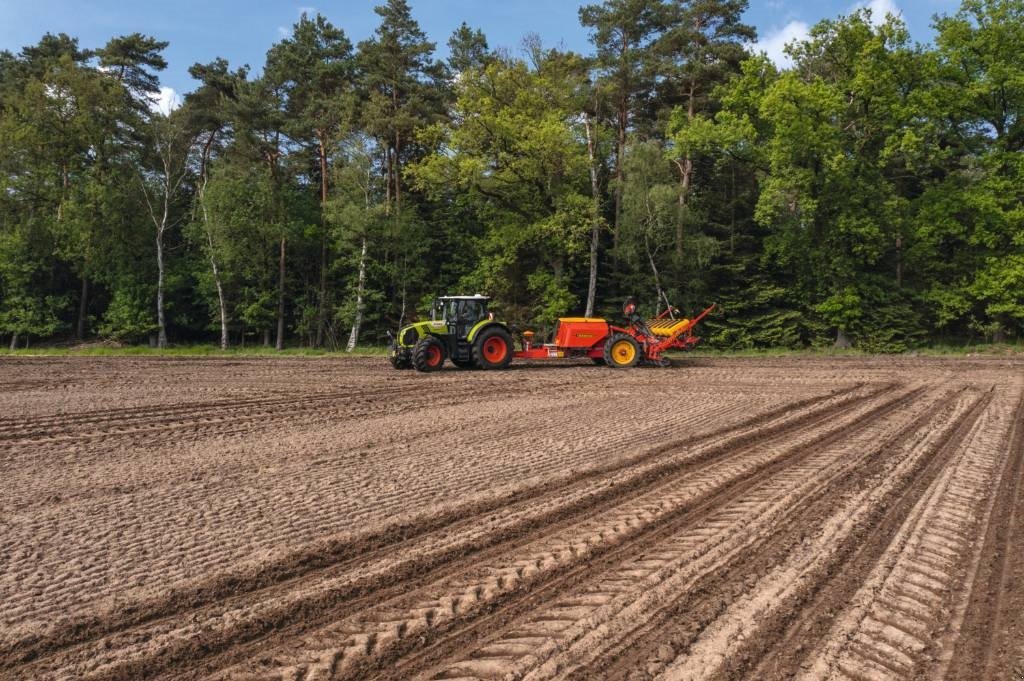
(762, 634)
(523, 512)
(689, 557)
(532, 568)
(904, 605)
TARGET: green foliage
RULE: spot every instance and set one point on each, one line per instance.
(872, 192)
(129, 316)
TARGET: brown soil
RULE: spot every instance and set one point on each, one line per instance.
(335, 519)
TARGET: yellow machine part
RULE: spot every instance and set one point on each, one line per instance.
(666, 327)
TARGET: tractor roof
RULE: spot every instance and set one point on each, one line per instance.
(474, 297)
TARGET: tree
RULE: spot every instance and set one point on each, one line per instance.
(704, 45)
(208, 111)
(405, 86)
(624, 33)
(836, 151)
(315, 69)
(406, 91)
(518, 154)
(969, 223)
(260, 123)
(161, 186)
(467, 49)
(355, 213)
(129, 58)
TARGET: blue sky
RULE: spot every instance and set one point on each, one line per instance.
(242, 31)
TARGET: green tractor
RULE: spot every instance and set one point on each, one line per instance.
(460, 329)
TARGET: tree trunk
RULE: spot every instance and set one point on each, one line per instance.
(161, 339)
(321, 321)
(279, 344)
(842, 340)
(595, 234)
(201, 197)
(14, 342)
(398, 175)
(266, 338)
(83, 308)
(686, 171)
(619, 153)
(654, 270)
(357, 322)
(221, 305)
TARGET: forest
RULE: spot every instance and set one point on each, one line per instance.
(870, 194)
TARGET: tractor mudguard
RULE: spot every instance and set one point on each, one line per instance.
(481, 325)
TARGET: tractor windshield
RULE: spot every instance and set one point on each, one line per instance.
(459, 311)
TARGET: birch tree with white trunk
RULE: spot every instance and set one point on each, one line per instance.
(161, 184)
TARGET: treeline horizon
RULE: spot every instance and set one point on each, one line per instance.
(871, 194)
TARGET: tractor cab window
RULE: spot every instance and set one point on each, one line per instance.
(470, 311)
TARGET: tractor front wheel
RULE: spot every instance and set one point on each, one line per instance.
(428, 354)
(493, 348)
(621, 351)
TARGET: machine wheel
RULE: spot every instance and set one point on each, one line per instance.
(621, 351)
(464, 363)
(493, 348)
(428, 354)
(399, 361)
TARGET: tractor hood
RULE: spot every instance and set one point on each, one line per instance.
(408, 335)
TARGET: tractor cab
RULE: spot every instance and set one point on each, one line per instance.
(460, 313)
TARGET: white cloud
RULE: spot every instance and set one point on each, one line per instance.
(167, 101)
(773, 43)
(880, 9)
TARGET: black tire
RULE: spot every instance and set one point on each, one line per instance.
(621, 351)
(399, 358)
(486, 349)
(464, 363)
(428, 354)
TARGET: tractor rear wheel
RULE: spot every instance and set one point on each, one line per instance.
(621, 351)
(493, 348)
(428, 354)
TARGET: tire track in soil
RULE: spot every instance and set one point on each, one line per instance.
(776, 645)
(706, 561)
(517, 578)
(990, 646)
(906, 612)
(349, 553)
(142, 421)
(780, 421)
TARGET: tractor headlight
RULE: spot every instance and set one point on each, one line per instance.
(410, 337)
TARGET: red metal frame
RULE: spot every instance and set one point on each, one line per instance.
(586, 338)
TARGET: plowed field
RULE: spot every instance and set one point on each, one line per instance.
(301, 519)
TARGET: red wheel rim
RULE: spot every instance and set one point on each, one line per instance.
(495, 349)
(434, 356)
